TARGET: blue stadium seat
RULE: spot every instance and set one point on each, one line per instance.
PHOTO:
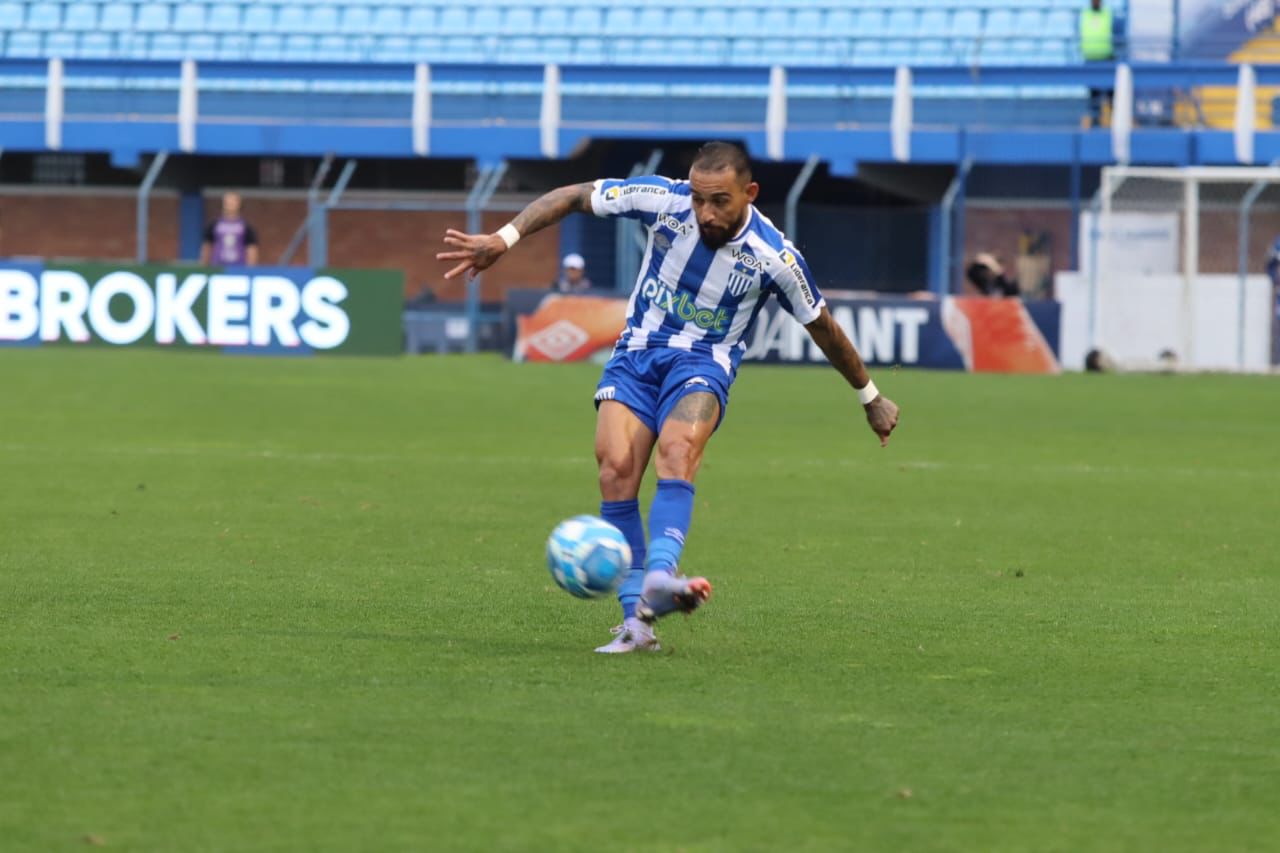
(652, 20)
(586, 21)
(934, 23)
(132, 45)
(683, 19)
(715, 21)
(292, 19)
(1060, 24)
(840, 22)
(12, 16)
(267, 47)
(486, 20)
(999, 24)
(775, 19)
(1029, 23)
(116, 17)
(520, 20)
(23, 44)
(60, 45)
(463, 49)
(202, 46)
(152, 17)
(223, 18)
(336, 48)
(322, 19)
(189, 18)
(357, 19)
(299, 47)
(258, 18)
(902, 22)
(45, 16)
(870, 23)
(807, 23)
(590, 51)
(553, 20)
(394, 49)
(166, 46)
(96, 46)
(233, 46)
(966, 23)
(420, 21)
(620, 20)
(454, 19)
(81, 17)
(388, 20)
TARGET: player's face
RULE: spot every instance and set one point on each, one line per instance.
(720, 201)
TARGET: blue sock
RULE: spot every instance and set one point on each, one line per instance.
(669, 524)
(625, 515)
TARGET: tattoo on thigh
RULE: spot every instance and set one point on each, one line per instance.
(699, 407)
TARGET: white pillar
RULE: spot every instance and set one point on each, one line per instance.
(54, 105)
(900, 122)
(421, 109)
(775, 117)
(550, 120)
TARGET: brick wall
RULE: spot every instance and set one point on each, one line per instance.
(102, 225)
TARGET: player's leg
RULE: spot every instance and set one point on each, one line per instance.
(623, 446)
(687, 427)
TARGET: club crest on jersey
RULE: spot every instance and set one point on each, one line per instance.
(745, 274)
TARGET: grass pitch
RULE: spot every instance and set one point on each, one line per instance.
(255, 604)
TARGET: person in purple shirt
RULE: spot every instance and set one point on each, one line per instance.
(229, 241)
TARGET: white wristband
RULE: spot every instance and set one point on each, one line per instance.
(509, 235)
(867, 392)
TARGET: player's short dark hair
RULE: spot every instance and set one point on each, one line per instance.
(715, 156)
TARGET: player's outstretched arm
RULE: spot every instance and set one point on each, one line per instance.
(882, 413)
(476, 252)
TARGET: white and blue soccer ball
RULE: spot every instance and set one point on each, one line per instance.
(588, 556)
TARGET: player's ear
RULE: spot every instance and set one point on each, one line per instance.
(753, 190)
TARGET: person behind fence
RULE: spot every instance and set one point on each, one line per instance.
(573, 274)
(230, 241)
(985, 277)
(1097, 44)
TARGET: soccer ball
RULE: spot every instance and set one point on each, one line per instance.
(588, 556)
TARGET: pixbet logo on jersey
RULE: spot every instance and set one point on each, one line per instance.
(683, 306)
(123, 307)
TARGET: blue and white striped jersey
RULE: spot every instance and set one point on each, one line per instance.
(693, 298)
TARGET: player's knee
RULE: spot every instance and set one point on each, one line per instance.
(618, 476)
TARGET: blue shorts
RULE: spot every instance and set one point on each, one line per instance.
(650, 382)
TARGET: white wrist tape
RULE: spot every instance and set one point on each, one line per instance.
(509, 235)
(867, 393)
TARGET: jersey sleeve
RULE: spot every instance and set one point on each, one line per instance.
(794, 285)
(640, 198)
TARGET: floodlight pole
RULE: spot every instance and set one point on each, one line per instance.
(313, 202)
(318, 238)
(485, 186)
(945, 278)
(793, 197)
(1246, 210)
(144, 198)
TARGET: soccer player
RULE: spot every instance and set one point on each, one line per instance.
(711, 261)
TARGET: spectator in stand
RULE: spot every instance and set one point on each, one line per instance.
(1097, 44)
(985, 277)
(573, 274)
(229, 241)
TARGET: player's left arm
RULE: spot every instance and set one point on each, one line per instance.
(882, 413)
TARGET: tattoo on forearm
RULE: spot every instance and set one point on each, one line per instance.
(842, 354)
(552, 207)
(696, 408)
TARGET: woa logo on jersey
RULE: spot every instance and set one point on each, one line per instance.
(683, 305)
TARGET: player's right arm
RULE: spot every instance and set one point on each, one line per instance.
(640, 198)
(476, 252)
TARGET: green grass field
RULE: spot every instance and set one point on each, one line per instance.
(256, 604)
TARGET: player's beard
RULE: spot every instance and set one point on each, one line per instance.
(716, 237)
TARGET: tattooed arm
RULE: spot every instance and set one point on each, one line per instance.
(476, 252)
(882, 413)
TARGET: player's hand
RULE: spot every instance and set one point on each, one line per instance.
(476, 252)
(882, 414)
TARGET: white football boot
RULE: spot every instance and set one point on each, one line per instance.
(631, 636)
(664, 593)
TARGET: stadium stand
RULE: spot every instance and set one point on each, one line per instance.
(830, 32)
